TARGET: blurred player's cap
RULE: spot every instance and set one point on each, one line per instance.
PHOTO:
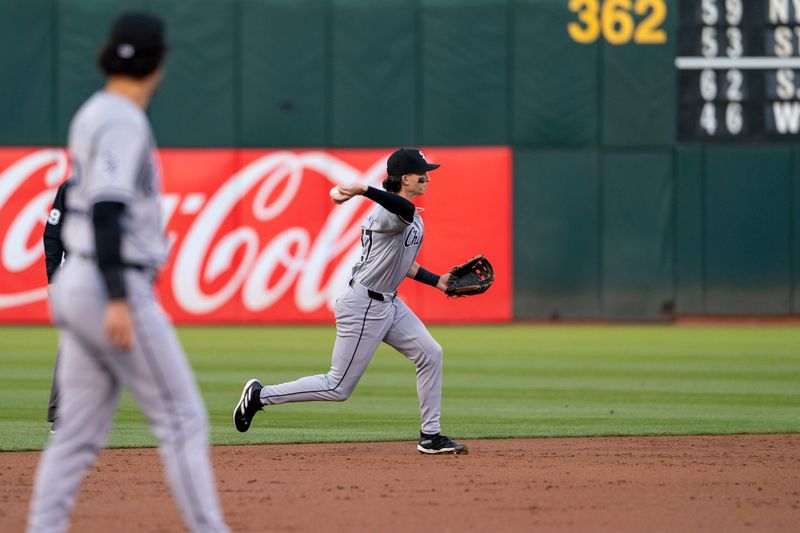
(136, 34)
(135, 46)
(408, 161)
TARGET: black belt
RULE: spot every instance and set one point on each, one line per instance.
(375, 295)
(372, 294)
(135, 266)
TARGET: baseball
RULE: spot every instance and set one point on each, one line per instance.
(337, 196)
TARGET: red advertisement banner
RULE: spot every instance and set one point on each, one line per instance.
(256, 239)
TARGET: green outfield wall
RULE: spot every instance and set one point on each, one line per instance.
(613, 217)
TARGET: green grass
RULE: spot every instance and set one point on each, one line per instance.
(499, 381)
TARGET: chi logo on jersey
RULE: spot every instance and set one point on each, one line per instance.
(55, 216)
(413, 238)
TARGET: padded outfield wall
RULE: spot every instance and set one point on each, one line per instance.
(612, 217)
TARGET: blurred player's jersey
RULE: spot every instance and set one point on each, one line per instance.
(389, 246)
(114, 160)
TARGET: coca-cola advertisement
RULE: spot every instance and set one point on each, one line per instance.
(255, 237)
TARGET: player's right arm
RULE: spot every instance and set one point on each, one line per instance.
(394, 203)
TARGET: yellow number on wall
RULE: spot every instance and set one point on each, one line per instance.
(588, 14)
(648, 31)
(617, 21)
(614, 20)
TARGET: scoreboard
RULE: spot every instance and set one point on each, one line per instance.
(739, 70)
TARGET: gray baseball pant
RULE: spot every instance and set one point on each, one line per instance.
(90, 377)
(362, 323)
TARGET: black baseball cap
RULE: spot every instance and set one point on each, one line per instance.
(137, 33)
(408, 161)
(135, 45)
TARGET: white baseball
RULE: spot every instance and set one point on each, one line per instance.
(337, 196)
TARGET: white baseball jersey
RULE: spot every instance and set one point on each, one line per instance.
(389, 246)
(114, 160)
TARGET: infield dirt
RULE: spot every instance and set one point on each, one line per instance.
(694, 483)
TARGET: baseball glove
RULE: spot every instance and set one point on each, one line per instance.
(471, 277)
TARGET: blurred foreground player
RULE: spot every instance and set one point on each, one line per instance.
(113, 332)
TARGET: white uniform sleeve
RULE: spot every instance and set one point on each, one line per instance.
(120, 151)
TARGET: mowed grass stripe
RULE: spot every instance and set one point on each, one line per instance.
(499, 381)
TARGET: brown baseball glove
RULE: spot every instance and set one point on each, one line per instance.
(471, 277)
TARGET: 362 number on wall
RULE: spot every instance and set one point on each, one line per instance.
(614, 21)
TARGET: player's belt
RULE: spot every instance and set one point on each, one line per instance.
(136, 266)
(375, 295)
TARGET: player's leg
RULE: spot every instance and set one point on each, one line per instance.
(52, 404)
(361, 324)
(409, 336)
(89, 396)
(165, 389)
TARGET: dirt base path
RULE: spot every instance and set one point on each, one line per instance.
(729, 483)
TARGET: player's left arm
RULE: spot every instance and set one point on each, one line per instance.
(121, 151)
(53, 245)
(417, 273)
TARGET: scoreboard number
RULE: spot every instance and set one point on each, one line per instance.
(709, 12)
(708, 39)
(735, 81)
(734, 48)
(708, 84)
(733, 12)
(732, 115)
(733, 118)
(708, 118)
(614, 20)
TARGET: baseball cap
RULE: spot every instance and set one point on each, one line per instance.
(408, 161)
(137, 34)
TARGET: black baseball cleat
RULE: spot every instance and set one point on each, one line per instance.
(438, 443)
(249, 404)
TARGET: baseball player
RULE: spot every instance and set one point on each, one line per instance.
(113, 332)
(53, 256)
(369, 311)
